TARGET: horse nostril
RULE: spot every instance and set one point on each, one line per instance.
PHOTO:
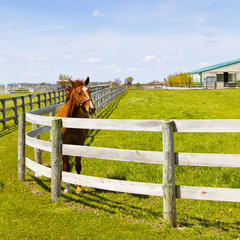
(92, 109)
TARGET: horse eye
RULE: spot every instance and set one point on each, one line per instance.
(79, 93)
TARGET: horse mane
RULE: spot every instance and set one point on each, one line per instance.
(69, 89)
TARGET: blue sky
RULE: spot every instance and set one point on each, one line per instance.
(106, 39)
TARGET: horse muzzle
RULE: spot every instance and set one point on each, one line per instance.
(92, 110)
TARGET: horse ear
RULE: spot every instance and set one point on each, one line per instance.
(72, 82)
(87, 81)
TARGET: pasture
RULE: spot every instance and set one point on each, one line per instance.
(27, 212)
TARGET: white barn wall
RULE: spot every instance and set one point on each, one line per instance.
(230, 68)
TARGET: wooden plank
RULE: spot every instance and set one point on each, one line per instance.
(113, 154)
(37, 143)
(208, 159)
(113, 185)
(45, 110)
(9, 118)
(113, 124)
(38, 168)
(208, 193)
(9, 109)
(208, 125)
(9, 99)
(41, 120)
(106, 124)
(168, 186)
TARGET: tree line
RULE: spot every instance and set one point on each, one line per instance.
(179, 80)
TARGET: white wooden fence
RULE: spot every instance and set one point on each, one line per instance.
(168, 157)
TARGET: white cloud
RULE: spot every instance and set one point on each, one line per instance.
(90, 60)
(69, 57)
(131, 51)
(22, 27)
(149, 58)
(130, 69)
(43, 58)
(59, 43)
(205, 63)
(97, 13)
(111, 66)
(28, 74)
(30, 59)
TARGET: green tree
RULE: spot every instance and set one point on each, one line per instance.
(128, 81)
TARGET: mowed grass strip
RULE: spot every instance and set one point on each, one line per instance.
(27, 212)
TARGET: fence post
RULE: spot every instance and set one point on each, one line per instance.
(37, 152)
(30, 101)
(45, 99)
(59, 97)
(15, 110)
(50, 98)
(63, 96)
(21, 146)
(3, 112)
(54, 97)
(39, 100)
(56, 159)
(23, 103)
(169, 190)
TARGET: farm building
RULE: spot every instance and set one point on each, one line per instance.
(221, 75)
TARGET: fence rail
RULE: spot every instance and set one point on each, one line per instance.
(11, 106)
(168, 157)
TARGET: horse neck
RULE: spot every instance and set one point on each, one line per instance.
(73, 108)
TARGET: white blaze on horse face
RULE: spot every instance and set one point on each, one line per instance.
(85, 90)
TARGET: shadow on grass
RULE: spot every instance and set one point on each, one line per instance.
(224, 226)
(2, 185)
(94, 200)
(9, 129)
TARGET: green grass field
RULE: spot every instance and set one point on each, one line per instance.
(27, 212)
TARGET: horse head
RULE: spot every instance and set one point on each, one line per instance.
(82, 96)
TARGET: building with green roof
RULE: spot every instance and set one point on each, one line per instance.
(224, 74)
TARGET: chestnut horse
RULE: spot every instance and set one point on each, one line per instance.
(78, 104)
